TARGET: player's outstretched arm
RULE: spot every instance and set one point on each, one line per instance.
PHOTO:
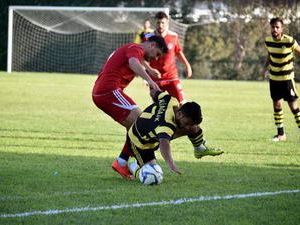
(165, 150)
(138, 69)
(151, 71)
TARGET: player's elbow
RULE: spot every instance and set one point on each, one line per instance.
(163, 142)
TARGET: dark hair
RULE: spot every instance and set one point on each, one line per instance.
(161, 15)
(160, 43)
(193, 111)
(275, 20)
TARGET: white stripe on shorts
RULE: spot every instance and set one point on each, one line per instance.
(124, 103)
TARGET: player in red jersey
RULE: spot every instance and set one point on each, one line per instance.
(163, 70)
(118, 71)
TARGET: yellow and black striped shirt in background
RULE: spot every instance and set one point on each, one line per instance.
(281, 57)
(156, 121)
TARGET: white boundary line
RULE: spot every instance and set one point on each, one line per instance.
(138, 205)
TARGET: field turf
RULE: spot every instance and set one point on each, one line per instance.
(56, 150)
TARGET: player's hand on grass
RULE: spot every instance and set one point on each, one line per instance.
(174, 168)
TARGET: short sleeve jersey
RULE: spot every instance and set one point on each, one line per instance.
(116, 72)
(166, 64)
(281, 57)
(156, 121)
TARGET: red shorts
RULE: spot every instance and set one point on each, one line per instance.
(173, 87)
(116, 104)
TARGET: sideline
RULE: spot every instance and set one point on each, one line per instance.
(138, 205)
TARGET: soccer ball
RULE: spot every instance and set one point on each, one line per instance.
(151, 174)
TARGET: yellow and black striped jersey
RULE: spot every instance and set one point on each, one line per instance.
(281, 57)
(156, 121)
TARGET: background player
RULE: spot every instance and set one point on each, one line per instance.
(143, 34)
(280, 67)
(164, 70)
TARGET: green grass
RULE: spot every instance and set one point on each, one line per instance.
(56, 149)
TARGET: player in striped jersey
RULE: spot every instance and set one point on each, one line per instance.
(158, 124)
(142, 35)
(280, 69)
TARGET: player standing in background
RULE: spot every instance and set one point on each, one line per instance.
(164, 70)
(142, 35)
(280, 68)
(118, 71)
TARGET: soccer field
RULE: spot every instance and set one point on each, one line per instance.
(56, 150)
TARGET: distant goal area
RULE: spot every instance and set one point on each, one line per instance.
(72, 39)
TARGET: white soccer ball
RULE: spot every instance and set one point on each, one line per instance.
(151, 174)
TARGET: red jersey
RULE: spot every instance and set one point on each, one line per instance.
(166, 64)
(116, 73)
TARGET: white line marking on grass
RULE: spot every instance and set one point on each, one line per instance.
(138, 205)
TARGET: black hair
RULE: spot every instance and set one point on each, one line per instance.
(160, 43)
(161, 15)
(193, 111)
(275, 20)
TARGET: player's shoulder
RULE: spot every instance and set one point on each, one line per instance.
(269, 39)
(131, 46)
(287, 38)
(172, 34)
(167, 97)
(163, 94)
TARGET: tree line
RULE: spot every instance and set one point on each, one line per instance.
(229, 47)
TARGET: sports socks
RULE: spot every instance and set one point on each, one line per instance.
(124, 155)
(134, 168)
(278, 118)
(122, 161)
(296, 113)
(197, 138)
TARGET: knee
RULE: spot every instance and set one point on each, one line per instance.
(133, 115)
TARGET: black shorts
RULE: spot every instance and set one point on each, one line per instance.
(285, 89)
(142, 155)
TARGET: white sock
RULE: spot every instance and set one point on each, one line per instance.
(133, 167)
(121, 161)
(201, 147)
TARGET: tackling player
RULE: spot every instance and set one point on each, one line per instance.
(157, 126)
(280, 68)
(118, 71)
